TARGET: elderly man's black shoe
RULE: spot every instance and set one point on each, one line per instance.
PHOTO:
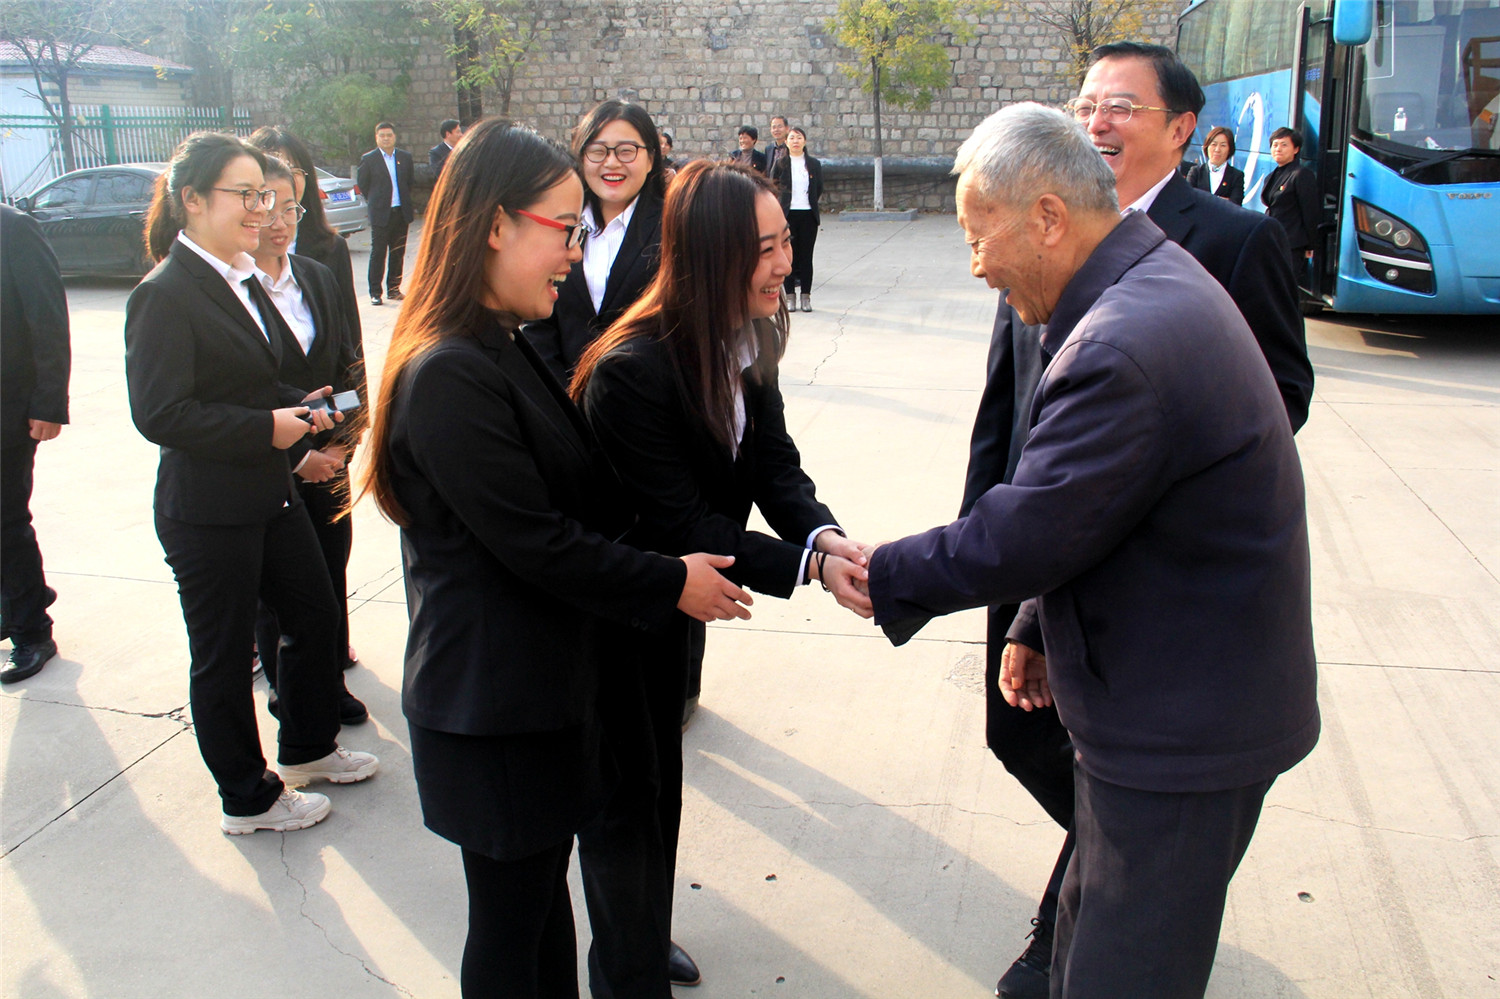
(27, 659)
(681, 969)
(1030, 977)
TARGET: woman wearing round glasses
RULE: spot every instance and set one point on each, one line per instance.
(202, 362)
(321, 351)
(624, 175)
(519, 598)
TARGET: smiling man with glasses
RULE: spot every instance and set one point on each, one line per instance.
(1139, 106)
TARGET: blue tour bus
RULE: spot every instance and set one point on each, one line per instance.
(1398, 102)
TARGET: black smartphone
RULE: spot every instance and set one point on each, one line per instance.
(341, 401)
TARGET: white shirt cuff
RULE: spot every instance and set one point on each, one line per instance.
(807, 551)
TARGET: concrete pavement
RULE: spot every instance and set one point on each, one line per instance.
(845, 833)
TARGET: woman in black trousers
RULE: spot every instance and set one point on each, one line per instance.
(683, 394)
(203, 348)
(799, 182)
(314, 239)
(320, 351)
(517, 595)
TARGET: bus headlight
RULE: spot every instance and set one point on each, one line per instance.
(1392, 251)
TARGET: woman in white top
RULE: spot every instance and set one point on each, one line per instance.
(799, 182)
(1218, 177)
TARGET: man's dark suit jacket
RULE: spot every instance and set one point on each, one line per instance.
(692, 493)
(335, 358)
(782, 175)
(1158, 509)
(1231, 188)
(436, 157)
(752, 157)
(1290, 195)
(33, 330)
(203, 380)
(511, 575)
(562, 337)
(374, 182)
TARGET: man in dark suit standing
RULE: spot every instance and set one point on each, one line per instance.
(1139, 104)
(450, 131)
(747, 154)
(35, 358)
(1158, 508)
(384, 176)
(777, 150)
(1290, 195)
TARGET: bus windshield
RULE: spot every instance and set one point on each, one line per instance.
(1431, 75)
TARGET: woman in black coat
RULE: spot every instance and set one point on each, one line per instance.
(1218, 175)
(518, 595)
(799, 181)
(202, 363)
(683, 394)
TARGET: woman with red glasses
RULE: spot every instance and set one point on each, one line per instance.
(517, 592)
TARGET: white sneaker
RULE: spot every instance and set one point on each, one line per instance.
(342, 766)
(293, 810)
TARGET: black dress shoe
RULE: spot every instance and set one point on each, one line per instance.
(352, 710)
(1030, 977)
(374, 299)
(27, 660)
(681, 969)
(394, 295)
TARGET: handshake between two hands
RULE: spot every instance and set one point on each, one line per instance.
(840, 564)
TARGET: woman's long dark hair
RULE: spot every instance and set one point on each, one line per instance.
(495, 165)
(314, 232)
(198, 162)
(699, 301)
(592, 123)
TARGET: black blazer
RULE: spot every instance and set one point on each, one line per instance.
(333, 253)
(782, 175)
(511, 575)
(35, 356)
(436, 157)
(692, 494)
(1159, 511)
(374, 182)
(1231, 188)
(562, 337)
(754, 157)
(1290, 195)
(334, 358)
(203, 380)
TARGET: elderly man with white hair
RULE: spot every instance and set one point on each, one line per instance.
(1155, 528)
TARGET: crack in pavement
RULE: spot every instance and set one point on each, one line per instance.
(302, 910)
(1385, 829)
(844, 316)
(177, 714)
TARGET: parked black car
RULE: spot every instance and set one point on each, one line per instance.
(93, 218)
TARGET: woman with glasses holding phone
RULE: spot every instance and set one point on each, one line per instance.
(320, 350)
(518, 595)
(203, 351)
(624, 177)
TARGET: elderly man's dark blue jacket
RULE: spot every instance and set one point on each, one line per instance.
(1158, 509)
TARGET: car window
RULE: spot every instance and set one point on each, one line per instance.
(71, 192)
(122, 189)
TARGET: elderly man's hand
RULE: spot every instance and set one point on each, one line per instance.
(1023, 677)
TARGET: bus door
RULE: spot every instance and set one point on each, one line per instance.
(1320, 112)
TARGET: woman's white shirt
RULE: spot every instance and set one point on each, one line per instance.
(799, 184)
(601, 249)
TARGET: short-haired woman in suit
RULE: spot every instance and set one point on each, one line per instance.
(799, 180)
(1218, 176)
(202, 363)
(624, 175)
(683, 393)
(320, 351)
(518, 596)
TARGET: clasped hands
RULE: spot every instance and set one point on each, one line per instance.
(845, 571)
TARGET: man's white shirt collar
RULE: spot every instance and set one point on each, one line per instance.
(1145, 201)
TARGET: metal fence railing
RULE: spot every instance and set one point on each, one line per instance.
(31, 145)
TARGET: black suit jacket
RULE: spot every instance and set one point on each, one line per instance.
(782, 175)
(1231, 188)
(692, 493)
(203, 380)
(35, 355)
(511, 573)
(773, 155)
(752, 157)
(334, 358)
(1159, 510)
(374, 182)
(333, 253)
(1290, 195)
(562, 337)
(436, 157)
